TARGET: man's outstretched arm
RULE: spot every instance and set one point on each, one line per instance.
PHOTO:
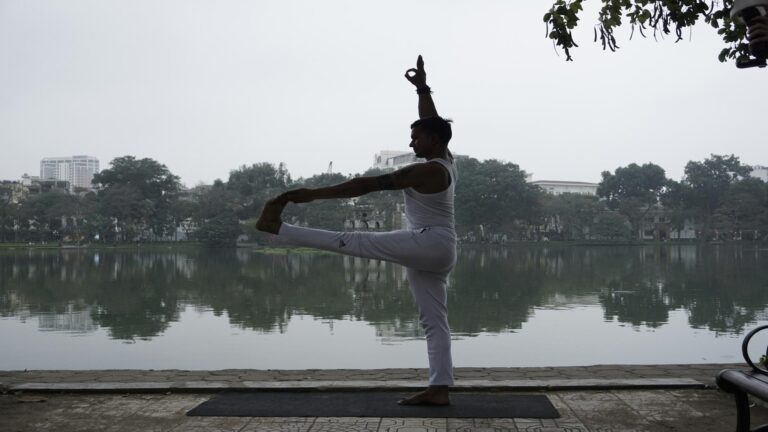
(418, 77)
(410, 176)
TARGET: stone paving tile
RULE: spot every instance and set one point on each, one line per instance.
(93, 406)
(259, 425)
(111, 406)
(171, 405)
(484, 429)
(72, 425)
(15, 416)
(345, 424)
(534, 428)
(499, 424)
(413, 425)
(212, 424)
(567, 415)
(460, 424)
(145, 425)
(656, 405)
(603, 410)
(65, 413)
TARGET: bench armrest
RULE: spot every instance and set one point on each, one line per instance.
(745, 351)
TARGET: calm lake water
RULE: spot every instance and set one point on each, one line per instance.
(516, 306)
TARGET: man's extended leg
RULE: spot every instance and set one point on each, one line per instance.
(419, 249)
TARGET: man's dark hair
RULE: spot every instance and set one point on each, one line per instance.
(437, 126)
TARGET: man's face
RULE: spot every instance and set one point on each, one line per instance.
(421, 142)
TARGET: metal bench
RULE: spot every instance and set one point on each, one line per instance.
(744, 383)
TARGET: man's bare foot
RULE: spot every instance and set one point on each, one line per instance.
(269, 221)
(434, 396)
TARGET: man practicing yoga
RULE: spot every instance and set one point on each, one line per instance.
(427, 248)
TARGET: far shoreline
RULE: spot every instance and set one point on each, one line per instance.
(282, 250)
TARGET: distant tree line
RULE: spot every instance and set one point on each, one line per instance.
(141, 200)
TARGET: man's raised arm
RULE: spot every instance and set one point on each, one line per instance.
(418, 77)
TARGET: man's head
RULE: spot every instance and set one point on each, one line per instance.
(430, 135)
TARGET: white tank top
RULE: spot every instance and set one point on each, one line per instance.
(424, 210)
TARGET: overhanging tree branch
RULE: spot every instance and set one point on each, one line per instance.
(663, 16)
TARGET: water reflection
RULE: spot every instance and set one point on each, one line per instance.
(138, 294)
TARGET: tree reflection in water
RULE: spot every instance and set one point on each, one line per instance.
(137, 294)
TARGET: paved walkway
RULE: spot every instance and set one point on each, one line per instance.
(609, 398)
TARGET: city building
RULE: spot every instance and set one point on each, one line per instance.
(760, 171)
(11, 191)
(77, 170)
(33, 185)
(557, 187)
(657, 225)
(390, 160)
(366, 218)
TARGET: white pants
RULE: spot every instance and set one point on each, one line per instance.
(429, 255)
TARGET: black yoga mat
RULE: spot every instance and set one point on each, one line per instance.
(372, 404)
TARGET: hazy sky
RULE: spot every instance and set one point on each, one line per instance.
(206, 86)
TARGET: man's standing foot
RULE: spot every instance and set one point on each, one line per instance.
(270, 221)
(433, 396)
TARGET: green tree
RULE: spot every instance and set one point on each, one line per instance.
(211, 200)
(572, 215)
(705, 186)
(326, 214)
(46, 215)
(660, 17)
(137, 195)
(633, 190)
(8, 217)
(255, 184)
(181, 210)
(496, 195)
(612, 226)
(744, 210)
(220, 231)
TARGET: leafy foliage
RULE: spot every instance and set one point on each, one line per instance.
(492, 197)
(612, 226)
(220, 231)
(572, 215)
(633, 190)
(254, 185)
(137, 193)
(495, 194)
(705, 187)
(326, 214)
(659, 17)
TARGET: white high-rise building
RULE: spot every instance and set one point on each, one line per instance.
(78, 170)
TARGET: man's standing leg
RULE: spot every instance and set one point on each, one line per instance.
(431, 294)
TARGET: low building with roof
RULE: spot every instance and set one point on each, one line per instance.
(557, 187)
